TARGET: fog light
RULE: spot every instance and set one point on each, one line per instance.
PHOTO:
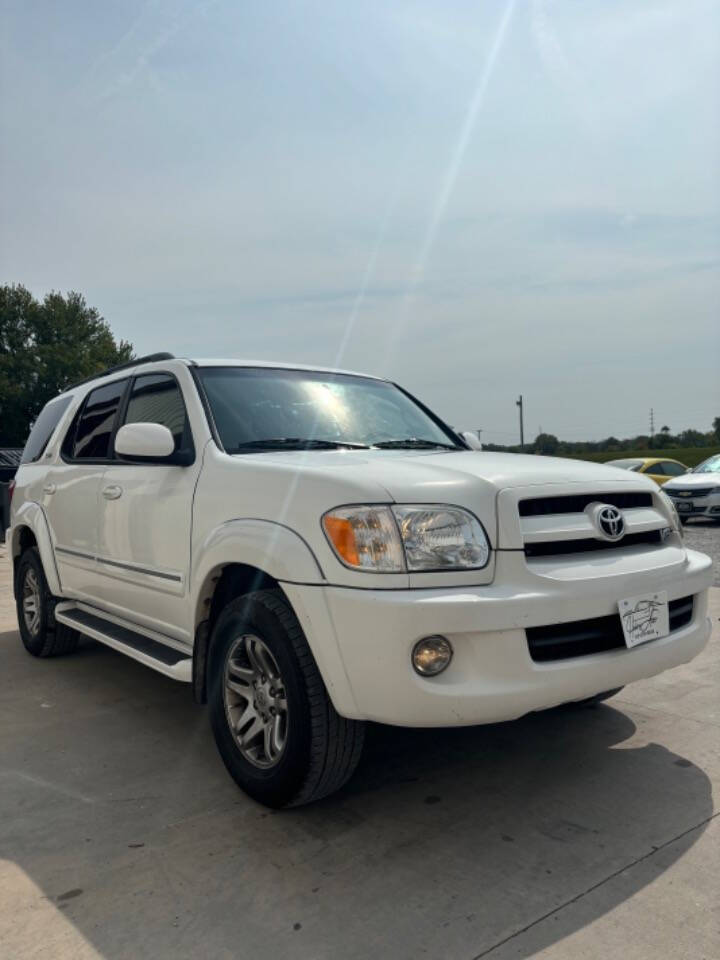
(431, 656)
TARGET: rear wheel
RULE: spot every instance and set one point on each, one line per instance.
(279, 735)
(41, 634)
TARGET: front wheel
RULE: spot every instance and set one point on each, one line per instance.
(275, 727)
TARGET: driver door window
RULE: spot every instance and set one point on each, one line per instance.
(156, 398)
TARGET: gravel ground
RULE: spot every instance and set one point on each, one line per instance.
(704, 535)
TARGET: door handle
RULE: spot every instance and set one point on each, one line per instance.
(49, 488)
(113, 492)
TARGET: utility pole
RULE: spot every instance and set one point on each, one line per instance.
(479, 433)
(652, 422)
(519, 403)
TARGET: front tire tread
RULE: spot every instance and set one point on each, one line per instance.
(335, 743)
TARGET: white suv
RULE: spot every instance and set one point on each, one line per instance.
(311, 549)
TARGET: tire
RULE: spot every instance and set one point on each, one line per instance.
(276, 729)
(41, 634)
(684, 520)
(598, 698)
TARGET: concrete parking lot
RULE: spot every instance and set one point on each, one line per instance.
(570, 834)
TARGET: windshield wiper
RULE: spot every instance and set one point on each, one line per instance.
(411, 443)
(297, 443)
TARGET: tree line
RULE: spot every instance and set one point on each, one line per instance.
(549, 445)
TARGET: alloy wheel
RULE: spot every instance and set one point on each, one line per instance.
(31, 601)
(255, 701)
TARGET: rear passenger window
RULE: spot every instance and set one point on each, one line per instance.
(657, 469)
(43, 429)
(97, 421)
(156, 398)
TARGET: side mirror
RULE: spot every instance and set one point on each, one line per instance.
(144, 441)
(471, 439)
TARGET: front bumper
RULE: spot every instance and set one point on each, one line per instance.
(492, 676)
(698, 506)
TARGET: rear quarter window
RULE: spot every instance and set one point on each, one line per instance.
(43, 428)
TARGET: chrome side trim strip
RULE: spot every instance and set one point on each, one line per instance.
(75, 553)
(174, 577)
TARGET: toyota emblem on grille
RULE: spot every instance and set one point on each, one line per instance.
(607, 520)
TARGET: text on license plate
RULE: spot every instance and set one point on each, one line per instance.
(645, 617)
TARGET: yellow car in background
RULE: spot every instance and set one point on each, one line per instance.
(659, 469)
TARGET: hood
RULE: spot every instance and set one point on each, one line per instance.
(447, 476)
(689, 481)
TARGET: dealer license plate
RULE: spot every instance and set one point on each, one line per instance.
(644, 618)
(684, 506)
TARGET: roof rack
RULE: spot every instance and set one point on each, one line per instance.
(150, 358)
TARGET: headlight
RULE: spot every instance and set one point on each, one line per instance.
(366, 538)
(441, 538)
(411, 538)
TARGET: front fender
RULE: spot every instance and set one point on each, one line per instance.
(272, 547)
(32, 516)
(283, 554)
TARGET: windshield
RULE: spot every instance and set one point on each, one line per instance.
(711, 465)
(269, 408)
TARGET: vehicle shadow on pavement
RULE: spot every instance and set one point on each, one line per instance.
(120, 830)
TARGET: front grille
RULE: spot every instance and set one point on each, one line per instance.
(563, 641)
(554, 548)
(686, 493)
(576, 503)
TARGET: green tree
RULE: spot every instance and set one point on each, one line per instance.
(547, 444)
(691, 438)
(44, 347)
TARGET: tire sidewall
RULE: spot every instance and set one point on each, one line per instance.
(33, 644)
(277, 785)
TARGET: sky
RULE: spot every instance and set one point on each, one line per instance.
(475, 199)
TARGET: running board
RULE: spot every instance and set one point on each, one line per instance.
(159, 656)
